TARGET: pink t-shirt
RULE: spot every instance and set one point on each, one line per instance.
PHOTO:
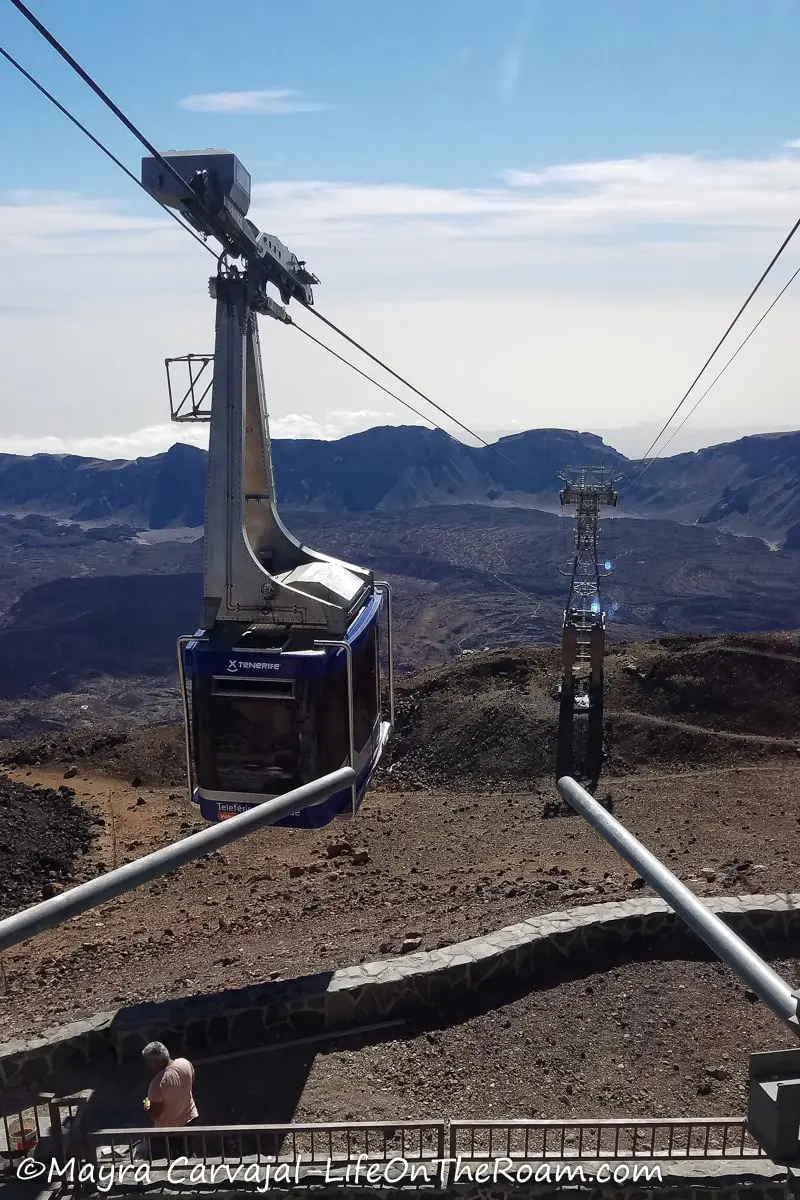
(173, 1088)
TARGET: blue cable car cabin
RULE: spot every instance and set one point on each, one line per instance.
(272, 712)
(281, 686)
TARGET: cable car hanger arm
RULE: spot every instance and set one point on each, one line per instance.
(212, 190)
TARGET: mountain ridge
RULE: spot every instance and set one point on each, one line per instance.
(746, 486)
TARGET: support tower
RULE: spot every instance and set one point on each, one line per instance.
(579, 751)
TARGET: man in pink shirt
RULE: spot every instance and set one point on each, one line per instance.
(170, 1099)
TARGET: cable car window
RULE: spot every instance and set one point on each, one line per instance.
(254, 744)
(365, 688)
(332, 709)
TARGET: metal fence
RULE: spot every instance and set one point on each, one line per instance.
(378, 1142)
(673, 1138)
(49, 1128)
(306, 1152)
(42, 1126)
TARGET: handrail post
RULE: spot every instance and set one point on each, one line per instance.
(23, 925)
(773, 1109)
(775, 992)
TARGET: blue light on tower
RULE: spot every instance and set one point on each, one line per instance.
(595, 606)
(608, 564)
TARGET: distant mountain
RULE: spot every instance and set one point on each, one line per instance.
(155, 493)
(747, 486)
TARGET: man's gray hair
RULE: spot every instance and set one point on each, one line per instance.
(157, 1051)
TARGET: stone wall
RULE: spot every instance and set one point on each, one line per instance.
(531, 954)
(694, 1186)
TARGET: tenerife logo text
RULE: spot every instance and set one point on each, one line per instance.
(235, 664)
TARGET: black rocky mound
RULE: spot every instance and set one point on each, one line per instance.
(153, 757)
(680, 703)
(57, 832)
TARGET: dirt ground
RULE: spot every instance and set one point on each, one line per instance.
(643, 1039)
(422, 864)
(454, 842)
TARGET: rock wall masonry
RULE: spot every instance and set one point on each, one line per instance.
(528, 953)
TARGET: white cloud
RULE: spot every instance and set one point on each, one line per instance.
(633, 199)
(792, 145)
(157, 438)
(138, 443)
(271, 102)
(590, 290)
(336, 424)
(65, 224)
(638, 199)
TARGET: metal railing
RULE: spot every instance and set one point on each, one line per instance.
(40, 1126)
(425, 1141)
(357, 1152)
(310, 1150)
(85, 896)
(776, 993)
(619, 1139)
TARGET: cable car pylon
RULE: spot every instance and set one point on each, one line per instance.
(579, 745)
(281, 684)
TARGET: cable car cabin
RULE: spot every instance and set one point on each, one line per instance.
(272, 712)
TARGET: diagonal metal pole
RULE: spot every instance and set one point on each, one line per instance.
(23, 925)
(744, 962)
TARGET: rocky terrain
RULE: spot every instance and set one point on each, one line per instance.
(488, 719)
(610, 1043)
(456, 840)
(101, 562)
(43, 835)
(89, 618)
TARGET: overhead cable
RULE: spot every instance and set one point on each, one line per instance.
(117, 162)
(369, 378)
(699, 401)
(713, 353)
(98, 91)
(106, 99)
(405, 382)
(389, 392)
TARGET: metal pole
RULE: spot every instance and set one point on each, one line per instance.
(23, 925)
(744, 962)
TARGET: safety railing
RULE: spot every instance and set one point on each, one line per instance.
(672, 1138)
(358, 1153)
(39, 1126)
(308, 1149)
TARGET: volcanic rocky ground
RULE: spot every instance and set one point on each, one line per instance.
(89, 617)
(703, 758)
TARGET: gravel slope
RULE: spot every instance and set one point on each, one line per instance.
(434, 865)
(640, 1040)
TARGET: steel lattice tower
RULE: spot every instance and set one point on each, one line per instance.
(580, 735)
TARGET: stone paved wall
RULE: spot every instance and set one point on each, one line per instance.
(530, 953)
(731, 1187)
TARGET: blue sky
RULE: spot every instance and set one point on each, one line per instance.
(445, 92)
(489, 192)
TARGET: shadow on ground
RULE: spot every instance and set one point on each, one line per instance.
(260, 1087)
